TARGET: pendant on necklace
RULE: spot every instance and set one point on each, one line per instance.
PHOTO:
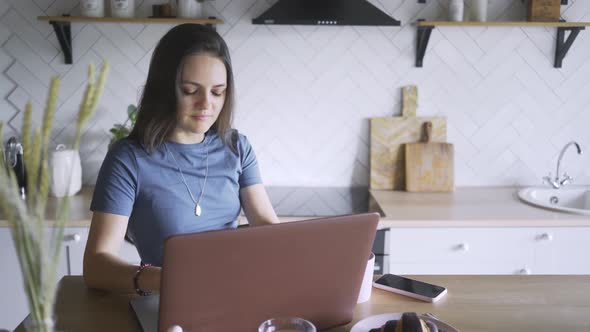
(198, 210)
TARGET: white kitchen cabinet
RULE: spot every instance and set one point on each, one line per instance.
(75, 242)
(13, 303)
(489, 250)
(562, 250)
(13, 300)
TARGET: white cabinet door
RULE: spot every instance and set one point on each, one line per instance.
(562, 250)
(74, 243)
(13, 302)
(129, 253)
(75, 239)
(461, 250)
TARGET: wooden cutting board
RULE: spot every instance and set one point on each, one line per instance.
(389, 134)
(429, 165)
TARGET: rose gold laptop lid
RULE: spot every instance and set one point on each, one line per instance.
(234, 280)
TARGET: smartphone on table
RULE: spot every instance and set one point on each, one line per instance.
(409, 287)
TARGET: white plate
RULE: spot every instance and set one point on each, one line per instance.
(373, 322)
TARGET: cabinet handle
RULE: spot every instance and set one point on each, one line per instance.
(545, 237)
(525, 270)
(72, 237)
(463, 247)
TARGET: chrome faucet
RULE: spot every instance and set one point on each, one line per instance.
(558, 182)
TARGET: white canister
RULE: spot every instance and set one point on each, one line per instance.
(479, 10)
(122, 8)
(92, 8)
(66, 172)
(189, 9)
(366, 286)
(456, 10)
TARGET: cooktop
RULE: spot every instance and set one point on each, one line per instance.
(318, 201)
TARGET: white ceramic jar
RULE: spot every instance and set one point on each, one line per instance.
(66, 172)
(189, 9)
(122, 8)
(479, 10)
(92, 8)
(456, 10)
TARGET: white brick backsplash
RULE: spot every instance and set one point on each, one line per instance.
(134, 29)
(81, 45)
(119, 62)
(31, 60)
(19, 98)
(77, 75)
(5, 61)
(4, 6)
(573, 83)
(538, 62)
(498, 44)
(26, 81)
(60, 7)
(29, 11)
(463, 43)
(148, 37)
(120, 39)
(5, 33)
(8, 111)
(305, 93)
(33, 37)
(43, 4)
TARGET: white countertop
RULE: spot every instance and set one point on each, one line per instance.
(468, 207)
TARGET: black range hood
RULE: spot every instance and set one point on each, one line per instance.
(325, 12)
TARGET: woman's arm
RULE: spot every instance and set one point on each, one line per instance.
(103, 268)
(256, 205)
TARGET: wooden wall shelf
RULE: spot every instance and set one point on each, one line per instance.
(562, 44)
(145, 20)
(61, 25)
(502, 24)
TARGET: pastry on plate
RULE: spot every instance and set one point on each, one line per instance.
(410, 322)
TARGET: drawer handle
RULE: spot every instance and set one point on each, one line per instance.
(463, 247)
(525, 270)
(545, 237)
(72, 237)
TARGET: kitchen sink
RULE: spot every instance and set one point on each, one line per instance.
(573, 199)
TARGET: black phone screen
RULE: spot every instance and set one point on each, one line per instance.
(410, 285)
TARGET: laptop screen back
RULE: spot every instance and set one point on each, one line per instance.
(234, 280)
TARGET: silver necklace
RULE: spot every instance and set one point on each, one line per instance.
(198, 209)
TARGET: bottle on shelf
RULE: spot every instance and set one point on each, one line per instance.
(456, 10)
(122, 8)
(92, 8)
(478, 10)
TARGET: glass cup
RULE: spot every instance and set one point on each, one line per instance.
(287, 324)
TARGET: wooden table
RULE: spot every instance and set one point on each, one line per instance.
(473, 304)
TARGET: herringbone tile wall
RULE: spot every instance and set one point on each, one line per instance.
(305, 93)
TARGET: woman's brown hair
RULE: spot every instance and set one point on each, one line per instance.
(156, 118)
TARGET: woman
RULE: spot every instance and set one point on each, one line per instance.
(181, 170)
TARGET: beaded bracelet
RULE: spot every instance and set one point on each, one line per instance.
(138, 290)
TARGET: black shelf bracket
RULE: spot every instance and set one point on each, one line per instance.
(209, 25)
(563, 45)
(64, 36)
(422, 43)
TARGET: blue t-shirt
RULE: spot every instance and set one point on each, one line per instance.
(149, 188)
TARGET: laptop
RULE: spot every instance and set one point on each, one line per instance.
(233, 280)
